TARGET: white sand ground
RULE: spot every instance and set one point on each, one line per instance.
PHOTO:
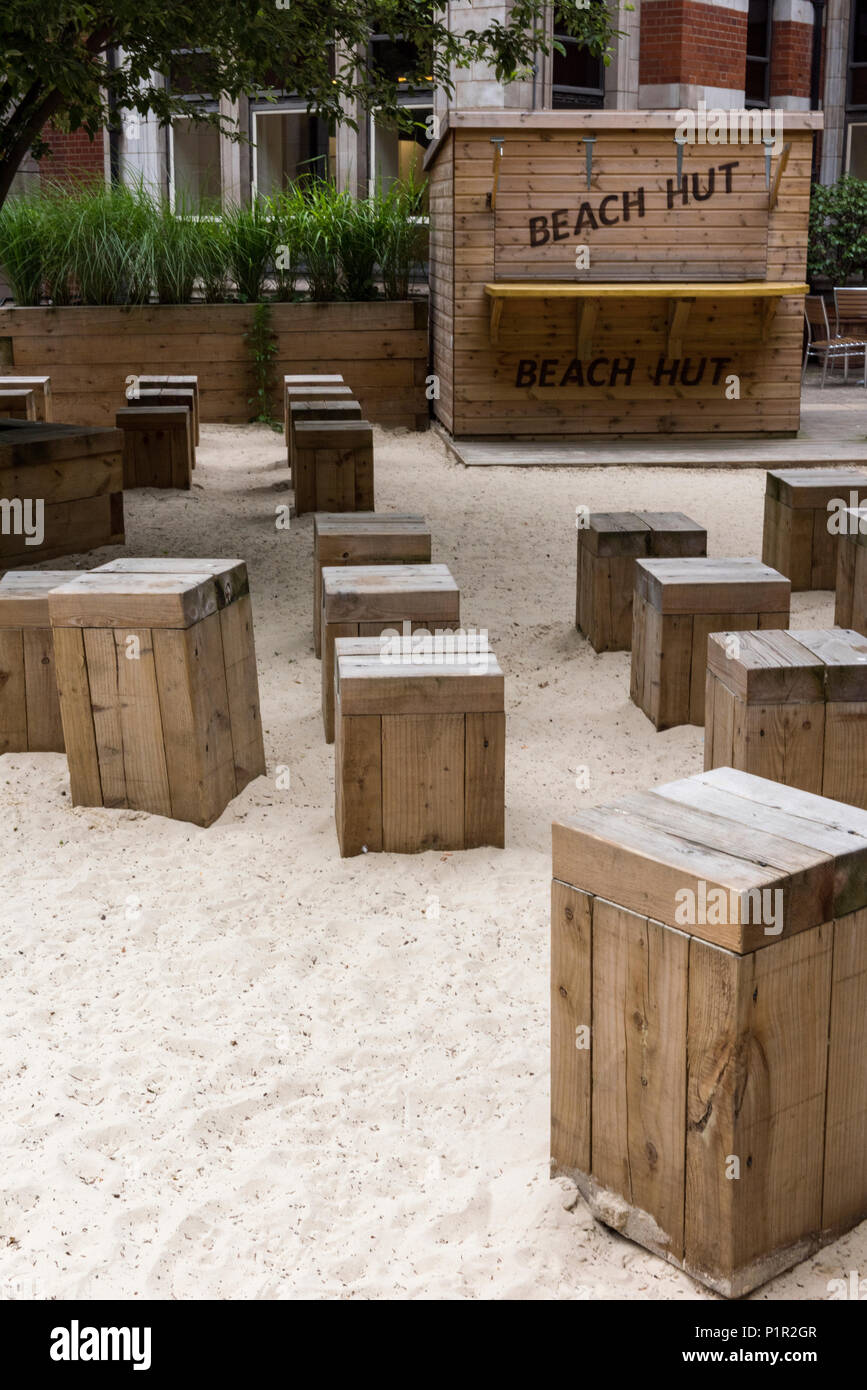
(235, 1065)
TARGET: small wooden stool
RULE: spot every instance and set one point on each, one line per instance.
(181, 397)
(29, 707)
(420, 749)
(305, 379)
(797, 540)
(363, 538)
(332, 466)
(677, 604)
(41, 388)
(607, 550)
(156, 446)
(156, 672)
(850, 606)
(18, 405)
(70, 474)
(317, 389)
(181, 383)
(709, 1021)
(790, 706)
(366, 600)
(303, 412)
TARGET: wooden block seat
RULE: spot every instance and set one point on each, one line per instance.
(367, 600)
(157, 446)
(17, 404)
(850, 600)
(29, 707)
(677, 604)
(364, 538)
(419, 758)
(156, 673)
(70, 474)
(149, 382)
(303, 412)
(315, 388)
(180, 397)
(332, 466)
(792, 707)
(297, 379)
(799, 537)
(608, 547)
(41, 388)
(709, 1021)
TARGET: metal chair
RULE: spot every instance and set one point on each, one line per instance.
(828, 347)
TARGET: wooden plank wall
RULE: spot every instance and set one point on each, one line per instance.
(381, 349)
(442, 278)
(731, 236)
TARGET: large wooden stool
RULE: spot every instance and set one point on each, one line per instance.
(41, 388)
(332, 466)
(850, 606)
(797, 540)
(73, 476)
(18, 405)
(180, 397)
(181, 383)
(367, 600)
(156, 672)
(790, 706)
(677, 604)
(303, 412)
(29, 707)
(709, 1021)
(322, 388)
(156, 446)
(607, 550)
(364, 538)
(305, 379)
(420, 748)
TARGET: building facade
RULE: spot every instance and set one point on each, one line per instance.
(782, 54)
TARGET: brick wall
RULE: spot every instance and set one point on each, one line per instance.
(791, 54)
(687, 43)
(74, 156)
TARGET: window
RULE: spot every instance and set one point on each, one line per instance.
(195, 173)
(856, 151)
(578, 76)
(397, 153)
(856, 95)
(289, 145)
(756, 82)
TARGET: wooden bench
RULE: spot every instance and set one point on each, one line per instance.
(677, 604)
(17, 405)
(303, 412)
(709, 1021)
(29, 707)
(799, 539)
(364, 538)
(157, 448)
(332, 466)
(70, 474)
(608, 547)
(367, 600)
(305, 379)
(156, 672)
(850, 606)
(181, 383)
(420, 749)
(180, 397)
(41, 388)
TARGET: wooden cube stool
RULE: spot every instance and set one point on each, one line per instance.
(305, 379)
(157, 448)
(299, 412)
(420, 749)
(709, 1021)
(363, 538)
(607, 550)
(792, 707)
(850, 606)
(677, 604)
(156, 673)
(29, 707)
(181, 383)
(180, 397)
(366, 600)
(17, 405)
(321, 388)
(41, 388)
(76, 473)
(332, 466)
(797, 540)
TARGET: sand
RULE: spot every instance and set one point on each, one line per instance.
(237, 1066)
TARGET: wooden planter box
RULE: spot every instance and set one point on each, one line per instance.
(709, 1021)
(381, 349)
(790, 706)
